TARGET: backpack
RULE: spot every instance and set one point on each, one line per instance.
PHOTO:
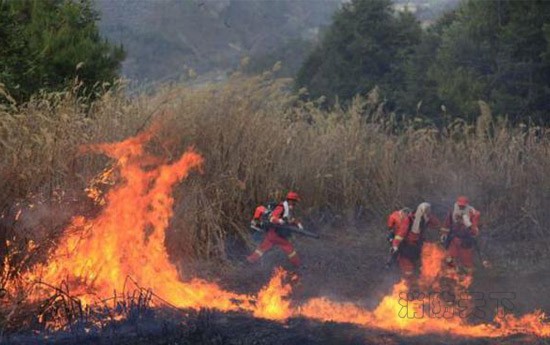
(260, 221)
(263, 214)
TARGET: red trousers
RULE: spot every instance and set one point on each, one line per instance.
(409, 257)
(406, 265)
(269, 241)
(460, 255)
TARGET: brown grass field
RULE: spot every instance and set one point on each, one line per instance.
(352, 167)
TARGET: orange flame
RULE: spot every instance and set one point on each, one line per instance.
(273, 300)
(427, 314)
(432, 257)
(126, 239)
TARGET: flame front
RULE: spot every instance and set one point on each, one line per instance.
(400, 313)
(273, 300)
(126, 240)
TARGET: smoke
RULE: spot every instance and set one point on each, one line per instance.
(40, 218)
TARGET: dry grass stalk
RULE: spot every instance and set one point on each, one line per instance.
(259, 140)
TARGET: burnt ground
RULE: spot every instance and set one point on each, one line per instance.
(214, 328)
(347, 265)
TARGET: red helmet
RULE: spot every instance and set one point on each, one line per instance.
(293, 196)
(462, 201)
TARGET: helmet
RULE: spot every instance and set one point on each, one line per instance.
(462, 201)
(293, 196)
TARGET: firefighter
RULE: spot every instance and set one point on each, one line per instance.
(283, 214)
(459, 235)
(409, 238)
(394, 220)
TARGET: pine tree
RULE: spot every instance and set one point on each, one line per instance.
(419, 95)
(366, 46)
(495, 51)
(49, 43)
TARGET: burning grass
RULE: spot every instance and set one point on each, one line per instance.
(258, 140)
(250, 139)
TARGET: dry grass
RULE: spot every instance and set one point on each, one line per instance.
(259, 141)
(40, 140)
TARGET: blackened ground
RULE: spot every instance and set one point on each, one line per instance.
(344, 265)
(349, 265)
(168, 327)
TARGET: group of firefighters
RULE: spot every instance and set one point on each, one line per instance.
(405, 227)
(458, 234)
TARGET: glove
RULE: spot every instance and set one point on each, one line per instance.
(390, 237)
(281, 221)
(300, 226)
(443, 238)
(393, 250)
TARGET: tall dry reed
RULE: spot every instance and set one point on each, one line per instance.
(260, 140)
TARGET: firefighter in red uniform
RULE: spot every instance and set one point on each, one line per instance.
(410, 236)
(462, 225)
(394, 220)
(283, 214)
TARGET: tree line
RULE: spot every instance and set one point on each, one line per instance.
(497, 51)
(50, 44)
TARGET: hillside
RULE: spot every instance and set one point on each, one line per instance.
(168, 39)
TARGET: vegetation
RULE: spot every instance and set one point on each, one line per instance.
(51, 43)
(496, 51)
(258, 141)
(366, 46)
(352, 163)
(171, 40)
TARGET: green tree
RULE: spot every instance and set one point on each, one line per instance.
(419, 95)
(366, 46)
(14, 60)
(496, 51)
(46, 44)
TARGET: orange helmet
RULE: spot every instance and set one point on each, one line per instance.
(293, 196)
(462, 201)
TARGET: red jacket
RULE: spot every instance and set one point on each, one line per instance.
(279, 213)
(278, 217)
(405, 233)
(395, 219)
(456, 223)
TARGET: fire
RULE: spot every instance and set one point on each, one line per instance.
(126, 240)
(273, 302)
(424, 313)
(396, 313)
(432, 257)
